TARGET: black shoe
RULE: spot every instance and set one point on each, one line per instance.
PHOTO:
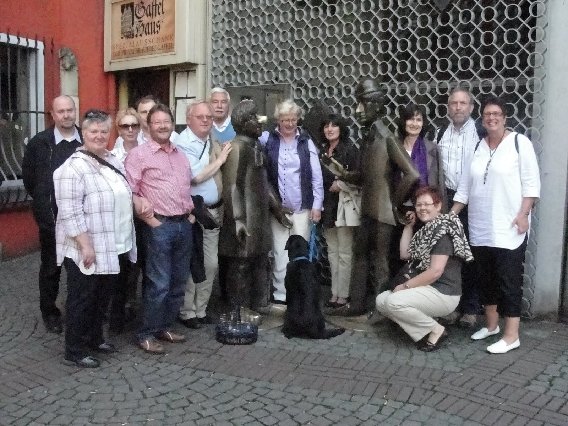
(206, 320)
(53, 324)
(86, 362)
(426, 346)
(105, 348)
(191, 323)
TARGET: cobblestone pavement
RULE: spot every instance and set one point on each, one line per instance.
(369, 375)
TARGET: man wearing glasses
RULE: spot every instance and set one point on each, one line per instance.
(45, 152)
(205, 157)
(456, 143)
(159, 173)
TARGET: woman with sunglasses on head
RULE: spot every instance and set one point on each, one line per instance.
(500, 189)
(429, 285)
(94, 231)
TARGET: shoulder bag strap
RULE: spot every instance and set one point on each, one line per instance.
(103, 162)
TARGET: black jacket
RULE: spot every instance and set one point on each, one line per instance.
(41, 158)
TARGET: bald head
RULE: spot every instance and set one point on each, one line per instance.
(64, 113)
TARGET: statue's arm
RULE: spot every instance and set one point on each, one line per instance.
(239, 164)
(410, 175)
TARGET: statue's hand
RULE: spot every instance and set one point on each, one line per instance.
(399, 216)
(241, 230)
(325, 160)
(281, 215)
(286, 210)
(285, 222)
(333, 166)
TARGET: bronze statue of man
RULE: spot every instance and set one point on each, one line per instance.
(387, 176)
(245, 237)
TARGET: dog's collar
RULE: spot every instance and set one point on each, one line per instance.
(299, 258)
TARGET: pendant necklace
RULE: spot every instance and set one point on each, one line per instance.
(491, 154)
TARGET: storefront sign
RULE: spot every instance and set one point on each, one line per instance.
(142, 28)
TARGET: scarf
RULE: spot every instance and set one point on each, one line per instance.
(418, 157)
(426, 238)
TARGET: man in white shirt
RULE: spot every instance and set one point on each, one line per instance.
(456, 143)
(205, 157)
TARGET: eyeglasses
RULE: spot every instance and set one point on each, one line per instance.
(289, 121)
(492, 114)
(420, 205)
(161, 123)
(131, 126)
(203, 117)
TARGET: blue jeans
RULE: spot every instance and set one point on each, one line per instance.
(168, 252)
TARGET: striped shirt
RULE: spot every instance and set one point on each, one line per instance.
(161, 175)
(456, 149)
(86, 204)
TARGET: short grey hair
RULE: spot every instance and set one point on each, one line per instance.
(219, 90)
(96, 116)
(287, 107)
(193, 103)
(459, 88)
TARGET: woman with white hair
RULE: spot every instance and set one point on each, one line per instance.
(294, 171)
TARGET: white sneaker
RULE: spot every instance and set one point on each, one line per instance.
(501, 347)
(484, 333)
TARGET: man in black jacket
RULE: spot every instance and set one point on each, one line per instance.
(44, 153)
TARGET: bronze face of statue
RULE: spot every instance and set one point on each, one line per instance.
(245, 120)
(370, 97)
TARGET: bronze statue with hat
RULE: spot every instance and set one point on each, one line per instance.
(387, 177)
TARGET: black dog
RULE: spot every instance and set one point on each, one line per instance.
(303, 316)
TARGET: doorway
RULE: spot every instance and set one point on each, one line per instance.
(147, 81)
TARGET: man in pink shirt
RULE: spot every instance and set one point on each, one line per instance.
(160, 174)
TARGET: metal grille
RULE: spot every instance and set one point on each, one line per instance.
(323, 47)
(21, 111)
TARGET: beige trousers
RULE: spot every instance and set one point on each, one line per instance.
(340, 254)
(197, 295)
(414, 308)
(280, 234)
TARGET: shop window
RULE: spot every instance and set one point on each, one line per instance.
(21, 108)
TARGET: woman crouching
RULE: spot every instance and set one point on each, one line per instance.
(430, 283)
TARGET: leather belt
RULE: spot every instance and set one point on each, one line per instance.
(174, 218)
(216, 205)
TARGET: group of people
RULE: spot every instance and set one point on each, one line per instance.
(223, 193)
(497, 177)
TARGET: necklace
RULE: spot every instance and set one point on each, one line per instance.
(408, 143)
(491, 154)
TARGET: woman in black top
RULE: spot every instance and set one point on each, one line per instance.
(341, 205)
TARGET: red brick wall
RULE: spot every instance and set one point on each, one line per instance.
(78, 25)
